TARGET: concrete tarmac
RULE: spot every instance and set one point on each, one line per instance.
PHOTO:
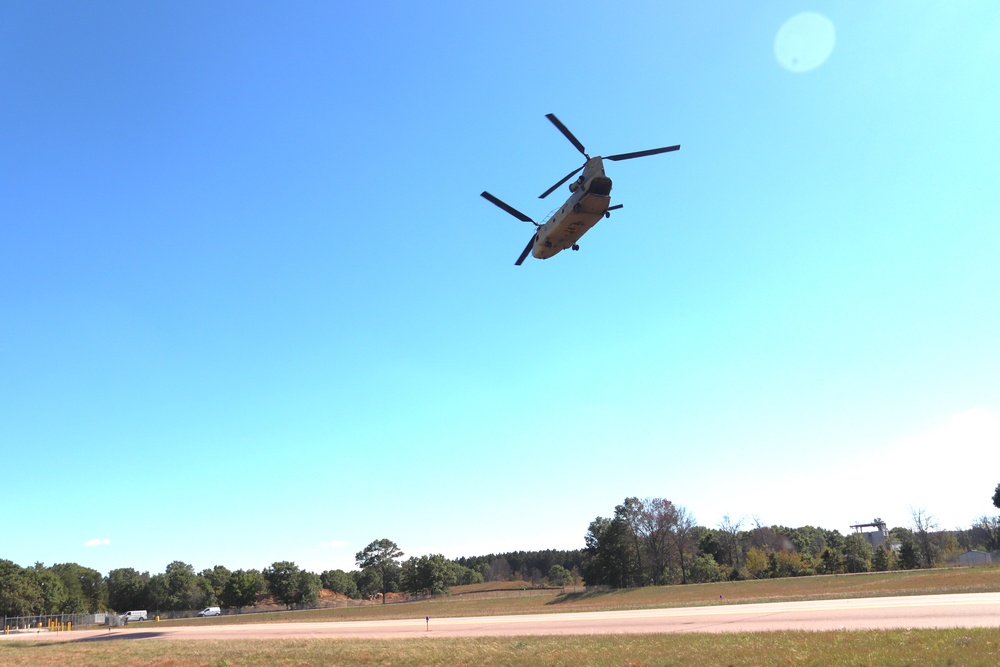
(972, 610)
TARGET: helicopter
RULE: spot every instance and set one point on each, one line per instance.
(590, 200)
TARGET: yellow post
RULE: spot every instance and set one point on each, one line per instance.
(157, 618)
(69, 626)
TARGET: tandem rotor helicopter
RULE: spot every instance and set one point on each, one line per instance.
(590, 200)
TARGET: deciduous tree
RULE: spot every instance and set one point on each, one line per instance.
(242, 588)
(339, 582)
(989, 529)
(20, 593)
(126, 589)
(857, 553)
(730, 531)
(704, 569)
(86, 590)
(923, 524)
(682, 536)
(559, 576)
(881, 559)
(282, 582)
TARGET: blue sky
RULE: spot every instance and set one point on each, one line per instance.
(252, 307)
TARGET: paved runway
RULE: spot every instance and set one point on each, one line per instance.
(973, 610)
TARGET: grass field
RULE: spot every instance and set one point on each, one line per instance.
(914, 582)
(876, 648)
(895, 647)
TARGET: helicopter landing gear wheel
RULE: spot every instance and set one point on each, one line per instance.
(607, 214)
(575, 247)
(576, 208)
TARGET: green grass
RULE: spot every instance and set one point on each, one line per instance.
(896, 647)
(919, 582)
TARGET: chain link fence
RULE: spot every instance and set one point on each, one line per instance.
(57, 622)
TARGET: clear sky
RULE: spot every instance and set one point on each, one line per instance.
(252, 307)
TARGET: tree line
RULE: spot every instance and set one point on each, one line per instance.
(652, 541)
(649, 541)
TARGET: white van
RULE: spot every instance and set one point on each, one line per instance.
(210, 611)
(140, 615)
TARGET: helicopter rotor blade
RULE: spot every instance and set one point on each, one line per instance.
(616, 206)
(569, 135)
(527, 249)
(552, 189)
(652, 151)
(507, 207)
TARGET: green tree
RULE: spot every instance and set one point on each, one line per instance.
(831, 561)
(923, 524)
(242, 588)
(710, 542)
(909, 555)
(704, 569)
(462, 576)
(380, 558)
(53, 590)
(880, 560)
(157, 595)
(609, 554)
(366, 581)
(184, 589)
(308, 585)
(857, 553)
(996, 497)
(86, 590)
(217, 579)
(283, 582)
(126, 589)
(988, 528)
(427, 574)
(559, 575)
(20, 592)
(339, 582)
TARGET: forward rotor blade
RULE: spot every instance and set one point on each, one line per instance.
(611, 208)
(507, 207)
(527, 249)
(652, 151)
(569, 135)
(552, 189)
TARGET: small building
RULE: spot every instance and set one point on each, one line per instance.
(974, 558)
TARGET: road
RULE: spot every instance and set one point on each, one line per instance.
(973, 610)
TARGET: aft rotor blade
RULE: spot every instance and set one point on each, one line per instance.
(527, 249)
(652, 151)
(568, 176)
(507, 207)
(611, 208)
(569, 135)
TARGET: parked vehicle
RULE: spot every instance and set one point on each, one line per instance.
(139, 615)
(210, 611)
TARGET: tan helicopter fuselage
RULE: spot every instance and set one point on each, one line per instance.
(584, 209)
